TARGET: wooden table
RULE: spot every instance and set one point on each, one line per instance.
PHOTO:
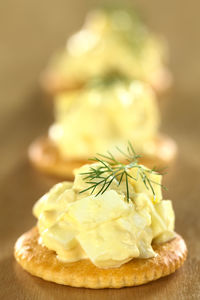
(30, 31)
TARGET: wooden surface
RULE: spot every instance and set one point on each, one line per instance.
(30, 31)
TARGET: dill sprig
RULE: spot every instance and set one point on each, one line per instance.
(111, 169)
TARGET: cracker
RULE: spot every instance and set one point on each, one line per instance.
(42, 262)
(45, 156)
(53, 83)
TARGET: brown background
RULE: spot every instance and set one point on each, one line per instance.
(29, 32)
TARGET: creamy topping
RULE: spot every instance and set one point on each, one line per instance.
(107, 229)
(112, 40)
(103, 116)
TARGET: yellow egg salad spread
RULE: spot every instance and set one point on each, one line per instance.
(104, 114)
(110, 214)
(111, 40)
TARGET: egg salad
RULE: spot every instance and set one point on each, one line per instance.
(111, 40)
(106, 113)
(110, 224)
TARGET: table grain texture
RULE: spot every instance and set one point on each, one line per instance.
(30, 31)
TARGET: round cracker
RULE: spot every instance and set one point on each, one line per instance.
(53, 83)
(42, 262)
(45, 156)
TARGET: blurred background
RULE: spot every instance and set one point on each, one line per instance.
(30, 32)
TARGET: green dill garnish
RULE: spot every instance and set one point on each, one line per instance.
(108, 80)
(127, 25)
(111, 169)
